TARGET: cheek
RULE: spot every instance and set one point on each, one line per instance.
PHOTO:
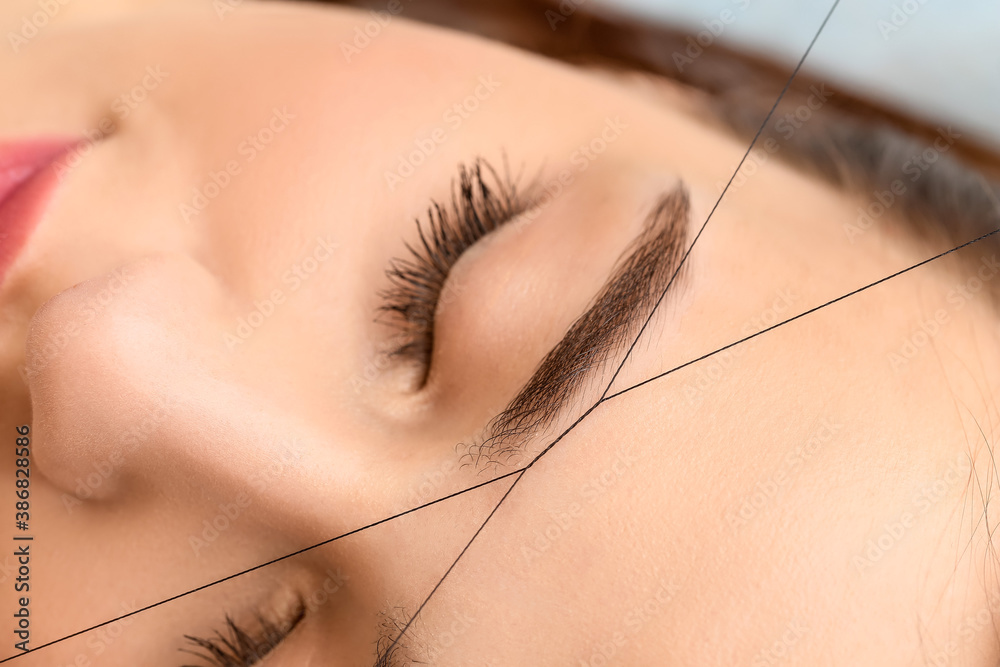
(574, 535)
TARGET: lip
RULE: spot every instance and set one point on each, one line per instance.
(28, 179)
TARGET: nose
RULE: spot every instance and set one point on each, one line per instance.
(103, 360)
(133, 389)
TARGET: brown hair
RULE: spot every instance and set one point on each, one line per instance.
(867, 148)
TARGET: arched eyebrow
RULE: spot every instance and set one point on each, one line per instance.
(609, 325)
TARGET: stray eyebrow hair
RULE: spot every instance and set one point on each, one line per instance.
(610, 323)
(390, 648)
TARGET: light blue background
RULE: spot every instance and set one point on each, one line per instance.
(942, 64)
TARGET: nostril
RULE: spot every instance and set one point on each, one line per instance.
(98, 477)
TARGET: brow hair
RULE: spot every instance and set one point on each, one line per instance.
(391, 650)
(610, 323)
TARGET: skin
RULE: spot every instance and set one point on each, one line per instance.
(657, 551)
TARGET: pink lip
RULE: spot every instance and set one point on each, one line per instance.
(28, 179)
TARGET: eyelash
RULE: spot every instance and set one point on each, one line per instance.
(481, 202)
(238, 647)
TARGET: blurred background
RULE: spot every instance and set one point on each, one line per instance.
(939, 59)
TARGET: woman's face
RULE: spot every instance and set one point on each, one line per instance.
(193, 333)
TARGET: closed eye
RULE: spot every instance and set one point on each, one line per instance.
(240, 646)
(481, 202)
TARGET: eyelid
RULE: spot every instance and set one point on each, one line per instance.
(482, 201)
(646, 270)
(238, 647)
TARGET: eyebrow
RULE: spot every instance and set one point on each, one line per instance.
(611, 322)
